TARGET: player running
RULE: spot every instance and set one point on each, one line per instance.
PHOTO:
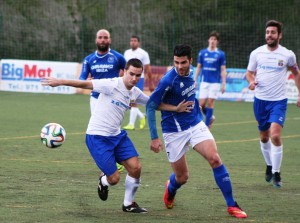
(180, 130)
(267, 73)
(212, 64)
(105, 140)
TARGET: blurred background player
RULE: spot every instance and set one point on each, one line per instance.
(103, 63)
(181, 130)
(267, 73)
(212, 64)
(136, 52)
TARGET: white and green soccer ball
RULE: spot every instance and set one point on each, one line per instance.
(53, 135)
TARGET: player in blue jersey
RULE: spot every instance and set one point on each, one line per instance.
(212, 64)
(103, 63)
(267, 73)
(181, 130)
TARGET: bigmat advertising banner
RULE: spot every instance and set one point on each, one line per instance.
(25, 75)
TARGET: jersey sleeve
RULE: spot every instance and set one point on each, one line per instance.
(199, 58)
(223, 59)
(104, 86)
(146, 59)
(122, 62)
(85, 69)
(160, 91)
(292, 59)
(142, 98)
(252, 62)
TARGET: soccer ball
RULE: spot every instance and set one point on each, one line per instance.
(53, 135)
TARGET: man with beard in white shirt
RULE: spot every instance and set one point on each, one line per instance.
(267, 73)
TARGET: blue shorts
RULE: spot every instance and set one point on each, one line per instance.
(107, 150)
(140, 84)
(267, 112)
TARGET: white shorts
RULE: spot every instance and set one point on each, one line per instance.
(177, 143)
(208, 90)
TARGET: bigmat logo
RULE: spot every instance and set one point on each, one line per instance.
(11, 71)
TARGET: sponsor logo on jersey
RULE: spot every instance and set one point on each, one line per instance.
(118, 103)
(280, 63)
(111, 59)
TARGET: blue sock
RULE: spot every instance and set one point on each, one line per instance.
(223, 181)
(173, 185)
(209, 114)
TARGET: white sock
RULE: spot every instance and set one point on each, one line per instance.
(266, 151)
(131, 186)
(133, 114)
(104, 181)
(276, 156)
(140, 114)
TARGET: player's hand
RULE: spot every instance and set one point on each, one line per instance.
(151, 87)
(50, 81)
(223, 88)
(298, 102)
(252, 85)
(196, 84)
(185, 106)
(156, 145)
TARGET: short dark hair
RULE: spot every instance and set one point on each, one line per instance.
(135, 37)
(135, 63)
(183, 50)
(215, 34)
(276, 24)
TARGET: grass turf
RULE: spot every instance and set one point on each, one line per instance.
(38, 184)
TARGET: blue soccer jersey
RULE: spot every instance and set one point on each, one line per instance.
(173, 89)
(211, 62)
(102, 66)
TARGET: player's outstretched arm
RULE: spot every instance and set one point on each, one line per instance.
(156, 144)
(54, 82)
(184, 106)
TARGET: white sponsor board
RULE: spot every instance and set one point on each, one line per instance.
(237, 87)
(25, 75)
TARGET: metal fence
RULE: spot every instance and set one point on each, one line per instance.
(64, 30)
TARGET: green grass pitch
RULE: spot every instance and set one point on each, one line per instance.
(38, 184)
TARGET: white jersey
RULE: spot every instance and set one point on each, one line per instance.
(271, 68)
(111, 105)
(140, 54)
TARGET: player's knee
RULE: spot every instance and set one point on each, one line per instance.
(276, 139)
(264, 139)
(214, 160)
(114, 179)
(135, 170)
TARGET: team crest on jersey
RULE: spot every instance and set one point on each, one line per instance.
(280, 63)
(111, 59)
(181, 85)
